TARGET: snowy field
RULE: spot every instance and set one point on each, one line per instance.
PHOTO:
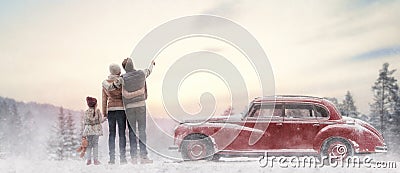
(229, 165)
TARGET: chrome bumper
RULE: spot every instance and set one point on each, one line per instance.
(381, 149)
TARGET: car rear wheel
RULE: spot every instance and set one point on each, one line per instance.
(197, 147)
(336, 149)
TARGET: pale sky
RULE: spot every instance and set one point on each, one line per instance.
(58, 52)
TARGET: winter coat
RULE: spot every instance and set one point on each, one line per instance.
(133, 80)
(92, 124)
(111, 94)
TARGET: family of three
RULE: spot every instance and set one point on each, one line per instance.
(123, 100)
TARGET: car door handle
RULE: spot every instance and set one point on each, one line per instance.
(315, 125)
(279, 124)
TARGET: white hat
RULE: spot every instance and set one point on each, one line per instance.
(115, 69)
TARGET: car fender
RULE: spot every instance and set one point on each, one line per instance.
(221, 134)
(361, 139)
(183, 131)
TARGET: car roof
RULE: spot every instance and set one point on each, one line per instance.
(334, 114)
(294, 98)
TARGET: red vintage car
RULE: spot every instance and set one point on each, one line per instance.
(282, 125)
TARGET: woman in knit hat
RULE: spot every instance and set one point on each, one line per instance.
(92, 130)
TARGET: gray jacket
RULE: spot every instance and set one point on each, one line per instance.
(134, 80)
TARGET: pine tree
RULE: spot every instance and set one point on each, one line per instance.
(56, 142)
(338, 105)
(2, 154)
(348, 107)
(17, 127)
(63, 143)
(82, 125)
(333, 100)
(386, 93)
(396, 118)
(11, 126)
(27, 133)
(72, 140)
(4, 125)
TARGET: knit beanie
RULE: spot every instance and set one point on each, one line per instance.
(115, 69)
(91, 102)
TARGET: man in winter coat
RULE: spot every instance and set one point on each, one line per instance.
(113, 109)
(135, 107)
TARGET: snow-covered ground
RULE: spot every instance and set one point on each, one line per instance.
(229, 165)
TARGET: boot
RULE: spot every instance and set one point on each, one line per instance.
(97, 162)
(111, 162)
(145, 160)
(123, 161)
(88, 162)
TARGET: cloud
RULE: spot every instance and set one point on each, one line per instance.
(315, 47)
(227, 9)
(378, 53)
(363, 3)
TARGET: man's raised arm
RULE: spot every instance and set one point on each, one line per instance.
(147, 71)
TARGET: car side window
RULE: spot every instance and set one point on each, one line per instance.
(321, 111)
(299, 111)
(266, 110)
(253, 110)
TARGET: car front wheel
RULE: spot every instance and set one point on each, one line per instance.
(197, 148)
